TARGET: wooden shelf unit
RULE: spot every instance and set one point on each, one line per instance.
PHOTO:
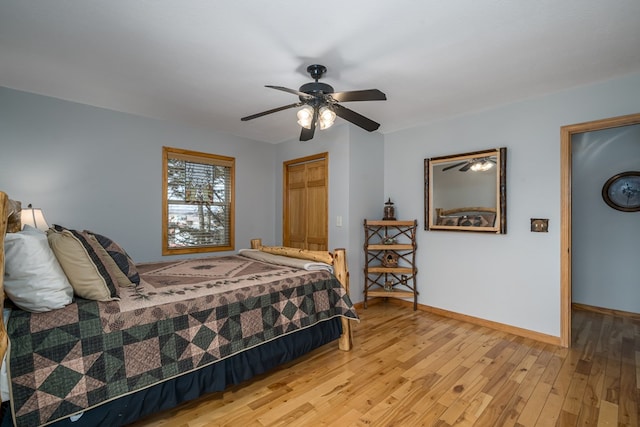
(390, 281)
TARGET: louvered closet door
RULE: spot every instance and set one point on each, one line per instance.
(306, 203)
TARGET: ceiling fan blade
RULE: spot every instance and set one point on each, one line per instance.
(466, 167)
(355, 118)
(453, 166)
(275, 110)
(359, 95)
(307, 134)
(293, 91)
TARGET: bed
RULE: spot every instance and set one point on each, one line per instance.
(117, 352)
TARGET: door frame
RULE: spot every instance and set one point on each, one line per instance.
(566, 132)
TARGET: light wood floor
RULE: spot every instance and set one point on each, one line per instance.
(413, 368)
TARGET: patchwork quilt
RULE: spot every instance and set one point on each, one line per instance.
(183, 316)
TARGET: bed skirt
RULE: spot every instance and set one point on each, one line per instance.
(216, 377)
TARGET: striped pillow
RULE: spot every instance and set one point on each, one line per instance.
(119, 256)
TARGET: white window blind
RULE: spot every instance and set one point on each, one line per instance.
(199, 208)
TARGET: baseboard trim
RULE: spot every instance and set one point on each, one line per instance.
(603, 310)
(514, 330)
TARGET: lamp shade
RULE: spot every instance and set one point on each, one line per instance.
(34, 217)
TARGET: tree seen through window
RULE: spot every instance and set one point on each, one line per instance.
(199, 202)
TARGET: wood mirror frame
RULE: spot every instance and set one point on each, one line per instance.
(460, 196)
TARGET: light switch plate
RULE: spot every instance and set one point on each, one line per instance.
(540, 225)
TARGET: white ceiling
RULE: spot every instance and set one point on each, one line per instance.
(206, 62)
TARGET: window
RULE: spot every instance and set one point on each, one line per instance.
(198, 198)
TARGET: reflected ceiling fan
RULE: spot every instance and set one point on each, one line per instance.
(320, 105)
(479, 164)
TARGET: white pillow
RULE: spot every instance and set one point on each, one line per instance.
(33, 278)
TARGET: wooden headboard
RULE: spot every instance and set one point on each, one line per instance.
(5, 212)
(459, 212)
(10, 222)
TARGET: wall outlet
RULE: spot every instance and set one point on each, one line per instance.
(339, 221)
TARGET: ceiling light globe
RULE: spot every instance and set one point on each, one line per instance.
(326, 117)
(482, 166)
(305, 116)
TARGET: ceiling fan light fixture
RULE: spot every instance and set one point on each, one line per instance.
(321, 104)
(326, 117)
(481, 166)
(305, 116)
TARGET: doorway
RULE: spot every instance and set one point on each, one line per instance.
(305, 202)
(566, 133)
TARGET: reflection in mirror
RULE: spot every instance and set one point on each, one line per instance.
(467, 192)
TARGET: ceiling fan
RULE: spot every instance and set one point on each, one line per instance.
(479, 164)
(321, 104)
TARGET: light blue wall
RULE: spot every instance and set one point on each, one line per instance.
(366, 198)
(514, 278)
(606, 248)
(91, 168)
(98, 169)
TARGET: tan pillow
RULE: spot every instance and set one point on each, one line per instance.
(80, 269)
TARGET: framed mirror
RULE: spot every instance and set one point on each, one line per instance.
(467, 192)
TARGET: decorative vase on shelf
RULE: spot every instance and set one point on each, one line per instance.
(389, 210)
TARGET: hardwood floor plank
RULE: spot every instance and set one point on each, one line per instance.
(638, 367)
(588, 416)
(428, 417)
(533, 407)
(419, 369)
(429, 397)
(573, 399)
(555, 400)
(528, 375)
(474, 410)
(470, 378)
(628, 404)
(566, 419)
(301, 395)
(502, 367)
(350, 418)
(455, 413)
(594, 390)
(608, 415)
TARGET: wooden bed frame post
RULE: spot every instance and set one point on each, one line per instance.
(4, 219)
(341, 271)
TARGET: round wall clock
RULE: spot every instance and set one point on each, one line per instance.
(622, 191)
